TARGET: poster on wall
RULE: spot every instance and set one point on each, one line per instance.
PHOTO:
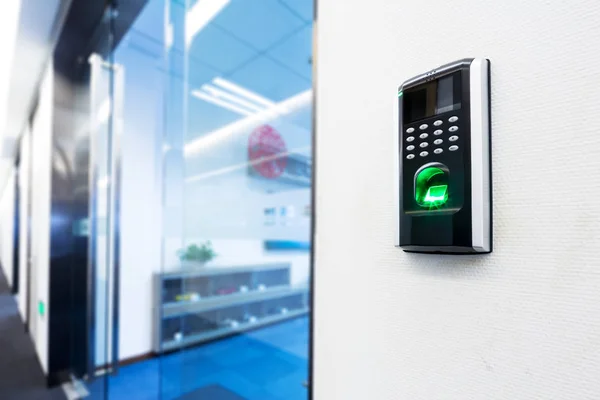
(287, 229)
(271, 166)
(283, 216)
(270, 216)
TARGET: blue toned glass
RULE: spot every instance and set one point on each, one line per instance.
(218, 123)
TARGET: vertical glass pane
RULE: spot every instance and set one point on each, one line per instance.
(216, 200)
(100, 145)
(242, 324)
(101, 284)
(140, 59)
(82, 211)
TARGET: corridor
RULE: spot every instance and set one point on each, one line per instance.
(22, 376)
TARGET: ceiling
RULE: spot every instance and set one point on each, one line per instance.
(264, 46)
(38, 28)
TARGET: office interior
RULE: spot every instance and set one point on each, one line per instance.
(156, 222)
(519, 323)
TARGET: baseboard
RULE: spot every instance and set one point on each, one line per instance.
(138, 358)
(129, 360)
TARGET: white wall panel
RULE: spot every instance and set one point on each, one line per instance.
(40, 218)
(140, 199)
(24, 185)
(7, 208)
(521, 323)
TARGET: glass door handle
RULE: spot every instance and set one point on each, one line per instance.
(115, 204)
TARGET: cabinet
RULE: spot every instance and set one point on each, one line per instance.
(195, 306)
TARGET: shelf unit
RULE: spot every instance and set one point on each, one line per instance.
(195, 306)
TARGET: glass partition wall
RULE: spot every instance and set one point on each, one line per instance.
(215, 201)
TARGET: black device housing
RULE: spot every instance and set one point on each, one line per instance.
(427, 103)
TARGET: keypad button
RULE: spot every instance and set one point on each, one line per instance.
(423, 127)
(454, 118)
(410, 130)
(438, 132)
(453, 138)
(423, 145)
(423, 154)
(410, 138)
(453, 128)
(438, 151)
(453, 148)
(438, 141)
(423, 135)
(438, 122)
(410, 156)
(410, 148)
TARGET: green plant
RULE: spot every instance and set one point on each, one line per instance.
(193, 252)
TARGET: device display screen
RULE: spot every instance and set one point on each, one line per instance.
(432, 98)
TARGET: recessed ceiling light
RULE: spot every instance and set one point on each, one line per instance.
(221, 103)
(255, 97)
(231, 97)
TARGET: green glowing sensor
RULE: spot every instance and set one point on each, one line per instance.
(431, 187)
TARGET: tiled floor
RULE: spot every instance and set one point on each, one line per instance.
(267, 364)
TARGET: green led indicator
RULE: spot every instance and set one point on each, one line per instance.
(400, 93)
(41, 308)
(431, 187)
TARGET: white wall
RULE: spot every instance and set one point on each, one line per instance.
(222, 200)
(140, 198)
(520, 323)
(24, 178)
(7, 219)
(225, 204)
(40, 217)
(228, 210)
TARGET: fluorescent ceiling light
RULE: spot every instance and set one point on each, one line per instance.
(284, 107)
(243, 92)
(221, 103)
(200, 15)
(233, 98)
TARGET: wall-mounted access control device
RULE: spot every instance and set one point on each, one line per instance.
(444, 160)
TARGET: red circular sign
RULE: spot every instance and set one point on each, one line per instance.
(267, 152)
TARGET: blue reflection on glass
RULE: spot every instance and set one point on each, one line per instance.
(226, 86)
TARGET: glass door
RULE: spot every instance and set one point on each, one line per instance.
(104, 215)
(86, 190)
(236, 268)
(204, 257)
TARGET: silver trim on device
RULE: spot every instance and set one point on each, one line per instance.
(480, 155)
(397, 176)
